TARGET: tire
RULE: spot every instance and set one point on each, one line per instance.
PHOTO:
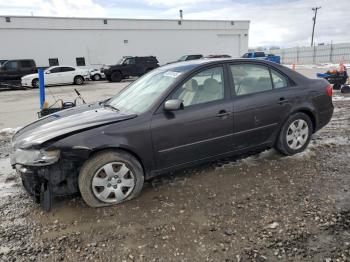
(116, 76)
(78, 80)
(298, 140)
(336, 86)
(345, 89)
(35, 83)
(96, 77)
(99, 189)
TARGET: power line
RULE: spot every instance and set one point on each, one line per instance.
(313, 27)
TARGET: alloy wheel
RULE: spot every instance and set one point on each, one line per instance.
(297, 134)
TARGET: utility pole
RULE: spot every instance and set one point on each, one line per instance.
(313, 27)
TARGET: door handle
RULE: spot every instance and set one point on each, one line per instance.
(282, 100)
(223, 113)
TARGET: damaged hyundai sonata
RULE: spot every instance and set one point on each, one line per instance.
(174, 117)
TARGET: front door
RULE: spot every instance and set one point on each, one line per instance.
(53, 76)
(262, 100)
(202, 129)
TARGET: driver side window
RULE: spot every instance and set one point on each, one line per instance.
(129, 61)
(204, 87)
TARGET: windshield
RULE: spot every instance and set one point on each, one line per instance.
(141, 95)
(121, 60)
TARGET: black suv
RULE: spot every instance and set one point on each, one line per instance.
(11, 71)
(131, 66)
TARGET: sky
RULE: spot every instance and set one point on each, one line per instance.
(284, 23)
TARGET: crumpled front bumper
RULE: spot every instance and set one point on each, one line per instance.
(46, 182)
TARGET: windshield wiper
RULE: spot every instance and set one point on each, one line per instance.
(110, 106)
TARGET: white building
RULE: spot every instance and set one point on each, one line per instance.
(97, 41)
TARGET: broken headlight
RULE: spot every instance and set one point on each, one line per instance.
(36, 157)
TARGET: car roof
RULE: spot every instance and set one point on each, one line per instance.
(193, 64)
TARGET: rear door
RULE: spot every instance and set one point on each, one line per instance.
(202, 129)
(262, 101)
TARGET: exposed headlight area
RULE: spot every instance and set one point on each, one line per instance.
(34, 157)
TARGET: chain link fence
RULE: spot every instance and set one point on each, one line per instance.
(333, 53)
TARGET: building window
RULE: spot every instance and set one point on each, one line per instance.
(105, 21)
(53, 62)
(232, 23)
(7, 19)
(80, 61)
(126, 41)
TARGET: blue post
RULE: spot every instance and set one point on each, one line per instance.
(41, 87)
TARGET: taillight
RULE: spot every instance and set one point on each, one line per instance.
(329, 91)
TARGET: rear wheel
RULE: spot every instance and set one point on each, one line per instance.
(35, 83)
(345, 89)
(336, 86)
(110, 177)
(116, 76)
(97, 77)
(295, 134)
(78, 80)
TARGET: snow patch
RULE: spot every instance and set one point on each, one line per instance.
(321, 66)
(9, 180)
(341, 98)
(9, 130)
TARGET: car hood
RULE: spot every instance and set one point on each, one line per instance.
(30, 76)
(66, 122)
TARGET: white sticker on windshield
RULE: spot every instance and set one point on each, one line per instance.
(172, 74)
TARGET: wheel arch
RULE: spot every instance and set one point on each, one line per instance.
(120, 148)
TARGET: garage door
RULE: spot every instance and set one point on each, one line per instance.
(229, 44)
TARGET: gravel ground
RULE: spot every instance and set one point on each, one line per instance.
(263, 207)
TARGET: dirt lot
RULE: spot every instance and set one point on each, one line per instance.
(260, 208)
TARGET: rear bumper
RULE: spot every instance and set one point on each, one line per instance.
(324, 118)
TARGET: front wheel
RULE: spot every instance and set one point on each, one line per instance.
(110, 177)
(78, 80)
(116, 76)
(35, 83)
(295, 134)
(97, 77)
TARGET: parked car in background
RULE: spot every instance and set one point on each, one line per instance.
(131, 66)
(177, 116)
(11, 71)
(57, 75)
(263, 56)
(189, 57)
(96, 74)
(2, 62)
(217, 56)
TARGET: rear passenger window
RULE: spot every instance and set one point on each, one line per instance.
(278, 80)
(67, 69)
(249, 79)
(204, 87)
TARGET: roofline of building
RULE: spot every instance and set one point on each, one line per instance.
(131, 19)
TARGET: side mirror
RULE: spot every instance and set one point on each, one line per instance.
(173, 105)
(47, 72)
